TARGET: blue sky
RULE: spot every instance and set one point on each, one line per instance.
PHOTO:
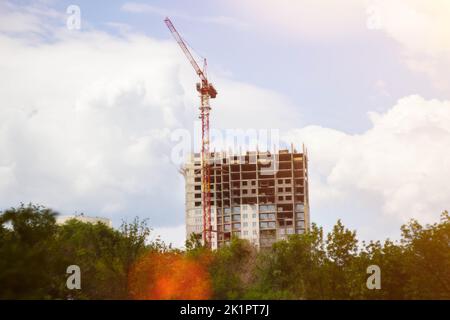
(333, 81)
(356, 80)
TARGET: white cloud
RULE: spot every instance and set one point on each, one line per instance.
(27, 19)
(136, 7)
(171, 235)
(242, 105)
(394, 171)
(314, 20)
(422, 28)
(85, 125)
(86, 121)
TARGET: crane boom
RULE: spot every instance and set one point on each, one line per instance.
(185, 49)
(206, 91)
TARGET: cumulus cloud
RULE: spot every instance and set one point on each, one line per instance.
(394, 171)
(86, 121)
(86, 125)
(422, 28)
(32, 19)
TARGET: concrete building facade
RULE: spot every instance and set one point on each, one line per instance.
(258, 196)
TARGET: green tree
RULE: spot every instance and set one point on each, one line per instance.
(292, 269)
(35, 254)
(231, 269)
(427, 253)
(27, 265)
(98, 251)
(104, 255)
(343, 270)
(390, 258)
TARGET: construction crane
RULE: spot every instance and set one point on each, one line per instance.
(207, 91)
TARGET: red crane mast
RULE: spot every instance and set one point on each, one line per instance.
(207, 91)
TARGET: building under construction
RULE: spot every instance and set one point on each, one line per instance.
(258, 196)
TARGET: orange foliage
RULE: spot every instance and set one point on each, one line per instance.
(164, 276)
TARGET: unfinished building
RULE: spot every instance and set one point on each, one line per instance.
(258, 196)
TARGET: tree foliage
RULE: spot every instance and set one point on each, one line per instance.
(35, 253)
(308, 267)
(123, 264)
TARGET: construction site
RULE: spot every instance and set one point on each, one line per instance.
(258, 196)
(133, 170)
